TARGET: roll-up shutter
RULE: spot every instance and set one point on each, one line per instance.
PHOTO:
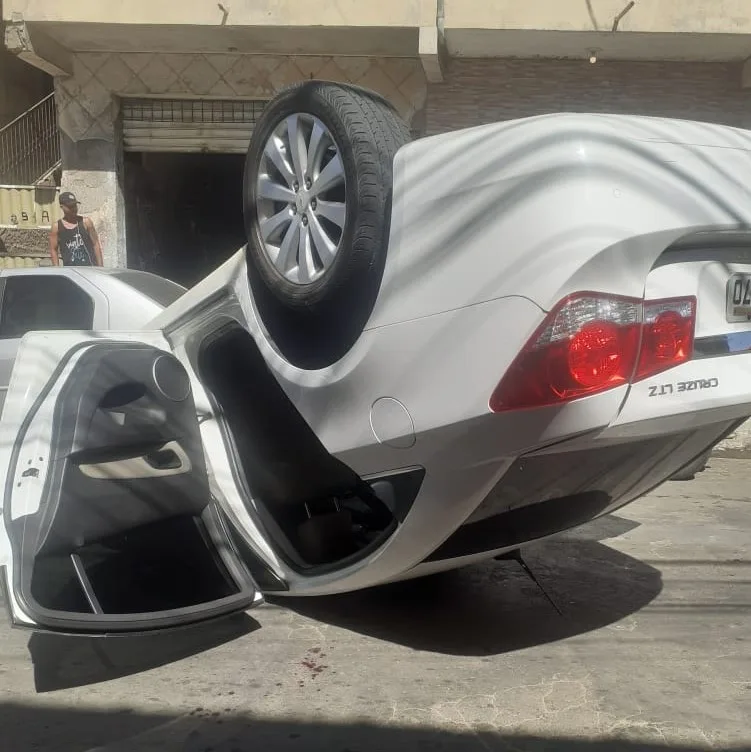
(189, 125)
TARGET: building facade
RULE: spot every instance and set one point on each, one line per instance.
(156, 102)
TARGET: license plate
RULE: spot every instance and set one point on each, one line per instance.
(738, 305)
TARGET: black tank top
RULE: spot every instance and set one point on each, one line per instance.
(75, 246)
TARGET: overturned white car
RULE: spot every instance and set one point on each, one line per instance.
(428, 354)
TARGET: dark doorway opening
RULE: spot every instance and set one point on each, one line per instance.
(184, 214)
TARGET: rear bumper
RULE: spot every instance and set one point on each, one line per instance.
(546, 493)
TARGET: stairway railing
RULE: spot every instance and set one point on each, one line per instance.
(30, 144)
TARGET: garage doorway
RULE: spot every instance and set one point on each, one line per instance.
(184, 212)
(183, 182)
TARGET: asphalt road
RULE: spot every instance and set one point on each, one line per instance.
(653, 648)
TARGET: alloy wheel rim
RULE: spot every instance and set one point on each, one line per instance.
(300, 199)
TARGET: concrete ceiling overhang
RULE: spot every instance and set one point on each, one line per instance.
(395, 41)
(48, 44)
(268, 40)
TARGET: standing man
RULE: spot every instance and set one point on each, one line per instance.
(73, 237)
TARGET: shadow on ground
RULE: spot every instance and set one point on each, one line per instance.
(478, 611)
(76, 730)
(495, 608)
(63, 661)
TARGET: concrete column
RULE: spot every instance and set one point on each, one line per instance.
(90, 170)
(91, 150)
(432, 40)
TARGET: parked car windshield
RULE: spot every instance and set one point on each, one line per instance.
(160, 290)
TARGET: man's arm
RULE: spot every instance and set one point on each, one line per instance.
(95, 240)
(53, 246)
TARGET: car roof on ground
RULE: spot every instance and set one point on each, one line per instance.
(153, 286)
(85, 271)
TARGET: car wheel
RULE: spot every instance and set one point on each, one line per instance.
(317, 203)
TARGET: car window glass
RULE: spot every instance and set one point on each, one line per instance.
(38, 302)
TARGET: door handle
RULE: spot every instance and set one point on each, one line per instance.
(171, 459)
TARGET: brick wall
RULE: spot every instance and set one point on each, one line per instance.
(476, 92)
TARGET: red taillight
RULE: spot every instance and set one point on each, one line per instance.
(668, 335)
(590, 343)
(596, 355)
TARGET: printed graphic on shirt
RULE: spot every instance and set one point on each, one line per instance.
(77, 253)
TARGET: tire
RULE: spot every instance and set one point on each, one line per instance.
(314, 313)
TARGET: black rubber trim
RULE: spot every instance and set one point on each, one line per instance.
(522, 525)
(722, 345)
(405, 485)
(264, 576)
(708, 240)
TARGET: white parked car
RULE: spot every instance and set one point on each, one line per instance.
(429, 354)
(84, 298)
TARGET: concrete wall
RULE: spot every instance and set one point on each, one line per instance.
(21, 86)
(653, 16)
(702, 16)
(24, 248)
(348, 13)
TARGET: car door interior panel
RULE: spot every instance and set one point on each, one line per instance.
(127, 531)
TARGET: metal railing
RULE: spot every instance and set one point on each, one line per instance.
(30, 144)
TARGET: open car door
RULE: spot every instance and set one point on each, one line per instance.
(109, 523)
